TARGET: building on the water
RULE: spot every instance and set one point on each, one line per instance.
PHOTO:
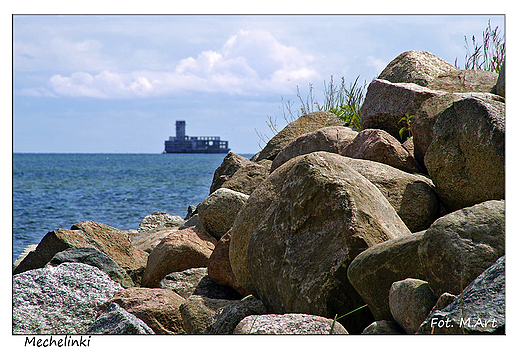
(181, 143)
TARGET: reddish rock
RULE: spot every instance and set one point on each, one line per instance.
(180, 250)
(378, 145)
(219, 267)
(158, 308)
(231, 163)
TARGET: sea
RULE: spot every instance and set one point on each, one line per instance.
(52, 191)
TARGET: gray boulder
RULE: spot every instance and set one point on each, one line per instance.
(185, 282)
(383, 328)
(330, 139)
(116, 320)
(373, 271)
(226, 318)
(246, 179)
(96, 258)
(411, 195)
(476, 310)
(461, 245)
(327, 210)
(466, 159)
(197, 311)
(218, 211)
(291, 323)
(230, 164)
(59, 300)
(159, 219)
(500, 87)
(410, 302)
(304, 124)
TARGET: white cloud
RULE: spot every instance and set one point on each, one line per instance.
(249, 62)
(378, 64)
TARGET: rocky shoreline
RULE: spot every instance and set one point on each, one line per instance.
(323, 221)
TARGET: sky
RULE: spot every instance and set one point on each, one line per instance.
(118, 83)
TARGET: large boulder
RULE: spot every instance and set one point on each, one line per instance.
(117, 321)
(330, 139)
(158, 308)
(461, 245)
(184, 283)
(197, 311)
(418, 67)
(159, 219)
(180, 250)
(480, 309)
(466, 159)
(287, 324)
(219, 267)
(374, 271)
(59, 300)
(386, 103)
(218, 211)
(230, 164)
(425, 69)
(500, 87)
(226, 318)
(305, 124)
(411, 195)
(96, 258)
(421, 125)
(410, 302)
(113, 242)
(247, 178)
(324, 208)
(379, 146)
(383, 328)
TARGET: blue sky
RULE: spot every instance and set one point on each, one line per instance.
(98, 83)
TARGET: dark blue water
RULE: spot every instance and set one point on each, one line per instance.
(52, 191)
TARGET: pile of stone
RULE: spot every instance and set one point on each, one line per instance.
(324, 220)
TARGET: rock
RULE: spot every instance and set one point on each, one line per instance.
(184, 283)
(294, 323)
(421, 125)
(386, 103)
(326, 209)
(96, 258)
(147, 241)
(411, 195)
(246, 179)
(158, 308)
(219, 267)
(231, 163)
(466, 159)
(330, 139)
(24, 253)
(500, 87)
(59, 300)
(116, 320)
(113, 242)
(180, 250)
(383, 328)
(465, 81)
(374, 271)
(208, 288)
(443, 301)
(418, 67)
(159, 219)
(461, 245)
(191, 211)
(226, 318)
(218, 211)
(304, 124)
(477, 311)
(410, 302)
(379, 146)
(197, 312)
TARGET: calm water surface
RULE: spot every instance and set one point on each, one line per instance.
(52, 191)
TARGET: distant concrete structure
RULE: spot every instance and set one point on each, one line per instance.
(183, 144)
